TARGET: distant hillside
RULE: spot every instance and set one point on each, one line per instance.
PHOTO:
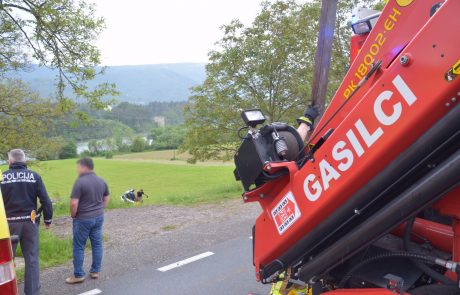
(138, 84)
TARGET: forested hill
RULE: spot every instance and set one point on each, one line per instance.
(137, 84)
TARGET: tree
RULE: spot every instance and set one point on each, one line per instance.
(141, 117)
(95, 147)
(268, 65)
(24, 117)
(74, 130)
(138, 145)
(58, 34)
(121, 139)
(69, 151)
(49, 149)
(167, 137)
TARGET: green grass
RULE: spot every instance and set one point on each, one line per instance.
(53, 251)
(165, 182)
(168, 227)
(177, 184)
(166, 155)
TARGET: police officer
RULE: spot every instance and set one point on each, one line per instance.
(20, 188)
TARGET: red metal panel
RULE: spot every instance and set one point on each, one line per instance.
(450, 204)
(6, 258)
(356, 43)
(440, 235)
(6, 253)
(402, 104)
(9, 288)
(392, 32)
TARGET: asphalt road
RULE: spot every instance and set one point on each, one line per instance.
(223, 265)
(227, 271)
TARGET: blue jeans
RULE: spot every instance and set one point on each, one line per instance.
(82, 230)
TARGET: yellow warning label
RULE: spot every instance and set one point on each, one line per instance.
(456, 68)
(453, 72)
(404, 3)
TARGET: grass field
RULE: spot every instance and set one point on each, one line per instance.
(53, 251)
(168, 157)
(166, 183)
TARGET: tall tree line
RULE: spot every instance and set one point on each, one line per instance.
(59, 34)
(268, 65)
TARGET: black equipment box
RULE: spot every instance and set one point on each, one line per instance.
(258, 149)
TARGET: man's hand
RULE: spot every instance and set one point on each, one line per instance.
(73, 207)
(47, 225)
(106, 201)
(309, 116)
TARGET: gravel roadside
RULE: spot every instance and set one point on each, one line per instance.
(140, 237)
(133, 225)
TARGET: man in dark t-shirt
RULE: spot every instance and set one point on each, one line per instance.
(90, 195)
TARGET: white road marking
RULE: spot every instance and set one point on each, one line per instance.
(185, 261)
(92, 292)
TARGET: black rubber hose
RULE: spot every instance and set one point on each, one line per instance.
(347, 277)
(420, 265)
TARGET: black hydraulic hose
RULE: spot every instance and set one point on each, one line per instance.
(239, 132)
(420, 265)
(421, 257)
(422, 193)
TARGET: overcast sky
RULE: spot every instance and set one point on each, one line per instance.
(166, 31)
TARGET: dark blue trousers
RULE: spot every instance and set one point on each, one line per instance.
(28, 238)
